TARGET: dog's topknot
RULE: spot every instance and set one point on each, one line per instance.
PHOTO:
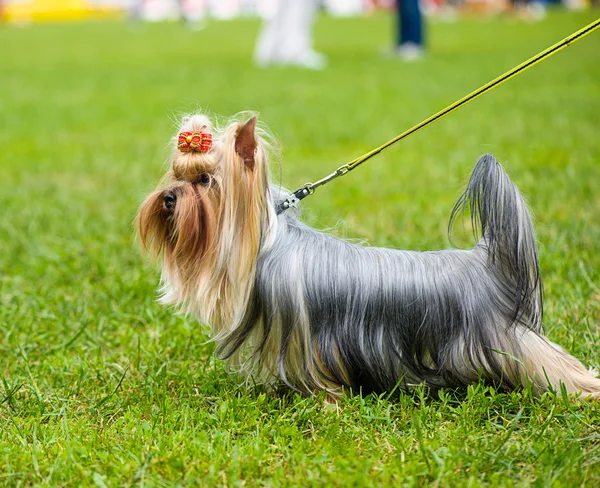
(197, 122)
(190, 165)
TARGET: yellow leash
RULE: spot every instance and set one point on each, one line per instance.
(308, 189)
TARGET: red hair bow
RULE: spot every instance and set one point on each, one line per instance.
(195, 141)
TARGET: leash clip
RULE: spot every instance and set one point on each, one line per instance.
(293, 199)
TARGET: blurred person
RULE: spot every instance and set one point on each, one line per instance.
(286, 38)
(265, 8)
(226, 9)
(190, 12)
(409, 30)
(344, 8)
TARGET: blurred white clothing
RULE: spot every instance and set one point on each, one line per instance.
(286, 38)
(344, 8)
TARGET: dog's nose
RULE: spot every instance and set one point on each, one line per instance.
(169, 199)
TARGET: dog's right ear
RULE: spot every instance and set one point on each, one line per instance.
(245, 142)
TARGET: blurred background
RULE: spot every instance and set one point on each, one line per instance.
(21, 11)
(91, 91)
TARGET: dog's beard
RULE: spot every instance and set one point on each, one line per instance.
(185, 236)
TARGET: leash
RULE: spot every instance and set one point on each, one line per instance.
(309, 188)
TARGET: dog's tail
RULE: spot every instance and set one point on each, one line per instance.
(499, 213)
(547, 366)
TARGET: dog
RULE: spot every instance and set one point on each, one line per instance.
(291, 306)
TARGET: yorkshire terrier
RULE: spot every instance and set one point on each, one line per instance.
(289, 305)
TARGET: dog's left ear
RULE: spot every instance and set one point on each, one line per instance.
(245, 142)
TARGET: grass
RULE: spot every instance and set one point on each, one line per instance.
(100, 386)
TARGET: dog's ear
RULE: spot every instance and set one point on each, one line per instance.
(245, 142)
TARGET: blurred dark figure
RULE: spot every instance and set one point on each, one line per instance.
(409, 30)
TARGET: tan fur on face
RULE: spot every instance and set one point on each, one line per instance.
(184, 236)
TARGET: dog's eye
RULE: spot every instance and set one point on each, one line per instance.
(204, 179)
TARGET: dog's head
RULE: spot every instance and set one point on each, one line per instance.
(208, 216)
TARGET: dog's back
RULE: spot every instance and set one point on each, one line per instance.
(327, 313)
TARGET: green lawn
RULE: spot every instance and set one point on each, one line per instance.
(101, 386)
